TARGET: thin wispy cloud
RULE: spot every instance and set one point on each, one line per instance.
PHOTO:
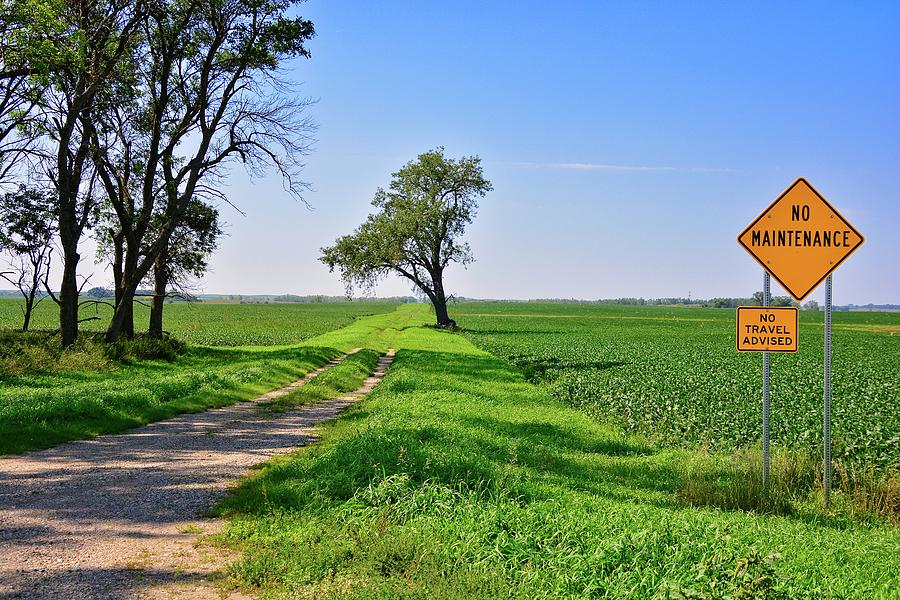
(588, 166)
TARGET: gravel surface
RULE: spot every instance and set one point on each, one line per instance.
(120, 516)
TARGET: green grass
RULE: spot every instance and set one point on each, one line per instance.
(39, 411)
(458, 478)
(673, 374)
(216, 324)
(49, 395)
(345, 377)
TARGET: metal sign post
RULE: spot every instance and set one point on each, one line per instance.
(826, 397)
(765, 398)
(800, 239)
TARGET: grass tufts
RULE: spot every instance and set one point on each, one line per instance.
(457, 478)
(341, 379)
(734, 481)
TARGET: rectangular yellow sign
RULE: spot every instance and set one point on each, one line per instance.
(767, 328)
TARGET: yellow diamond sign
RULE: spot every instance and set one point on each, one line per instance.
(800, 239)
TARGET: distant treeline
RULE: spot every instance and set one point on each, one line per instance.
(104, 293)
(294, 299)
(755, 300)
(699, 302)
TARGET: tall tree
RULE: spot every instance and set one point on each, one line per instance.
(103, 31)
(184, 258)
(27, 231)
(417, 229)
(208, 93)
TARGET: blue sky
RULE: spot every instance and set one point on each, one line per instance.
(628, 143)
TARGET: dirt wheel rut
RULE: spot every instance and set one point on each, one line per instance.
(119, 516)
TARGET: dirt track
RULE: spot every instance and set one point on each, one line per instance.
(119, 516)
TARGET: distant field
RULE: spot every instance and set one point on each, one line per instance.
(90, 394)
(218, 324)
(674, 374)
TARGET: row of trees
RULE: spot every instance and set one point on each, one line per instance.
(119, 119)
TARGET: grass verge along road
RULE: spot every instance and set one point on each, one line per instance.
(458, 478)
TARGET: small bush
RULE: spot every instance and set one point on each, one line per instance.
(727, 574)
(22, 353)
(144, 347)
(25, 353)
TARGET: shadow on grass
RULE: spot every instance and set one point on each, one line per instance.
(469, 421)
(52, 409)
(432, 429)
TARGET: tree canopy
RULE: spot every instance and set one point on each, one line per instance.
(416, 231)
(131, 110)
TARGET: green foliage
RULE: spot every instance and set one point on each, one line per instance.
(27, 224)
(673, 374)
(35, 37)
(417, 229)
(194, 239)
(456, 478)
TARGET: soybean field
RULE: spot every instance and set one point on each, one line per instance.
(673, 374)
(212, 324)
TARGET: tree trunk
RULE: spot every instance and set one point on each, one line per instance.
(128, 318)
(124, 276)
(119, 284)
(36, 272)
(29, 304)
(68, 298)
(160, 281)
(123, 312)
(440, 311)
(439, 300)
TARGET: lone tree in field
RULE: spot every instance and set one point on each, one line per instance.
(417, 229)
(27, 232)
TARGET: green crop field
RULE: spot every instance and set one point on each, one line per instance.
(216, 324)
(673, 373)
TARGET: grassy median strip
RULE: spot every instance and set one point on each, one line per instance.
(339, 380)
(39, 411)
(456, 478)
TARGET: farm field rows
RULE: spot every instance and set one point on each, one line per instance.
(673, 373)
(458, 477)
(210, 324)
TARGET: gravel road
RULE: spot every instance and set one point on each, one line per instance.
(120, 516)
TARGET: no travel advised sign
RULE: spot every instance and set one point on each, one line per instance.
(767, 328)
(800, 239)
